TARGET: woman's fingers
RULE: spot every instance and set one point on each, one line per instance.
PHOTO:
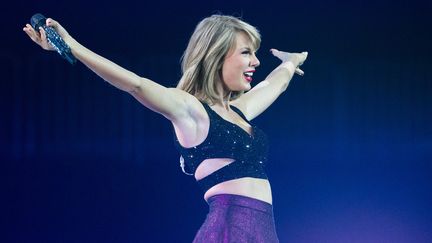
(44, 42)
(42, 34)
(58, 28)
(38, 37)
(286, 56)
(276, 53)
(303, 58)
(32, 33)
(305, 54)
(299, 71)
(51, 22)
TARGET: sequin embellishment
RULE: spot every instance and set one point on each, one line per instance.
(227, 140)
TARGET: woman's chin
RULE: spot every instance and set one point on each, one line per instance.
(248, 87)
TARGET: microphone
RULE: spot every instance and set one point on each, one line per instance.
(38, 20)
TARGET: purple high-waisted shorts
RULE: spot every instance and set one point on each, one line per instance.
(237, 219)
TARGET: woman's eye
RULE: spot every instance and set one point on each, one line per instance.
(246, 52)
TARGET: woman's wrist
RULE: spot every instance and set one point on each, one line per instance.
(73, 45)
(289, 65)
(71, 42)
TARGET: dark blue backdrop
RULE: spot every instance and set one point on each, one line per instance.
(351, 141)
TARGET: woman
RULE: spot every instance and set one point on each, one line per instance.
(210, 111)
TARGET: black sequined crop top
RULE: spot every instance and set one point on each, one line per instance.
(227, 140)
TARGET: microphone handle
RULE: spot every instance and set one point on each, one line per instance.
(59, 45)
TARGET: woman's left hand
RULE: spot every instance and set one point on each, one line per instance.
(297, 59)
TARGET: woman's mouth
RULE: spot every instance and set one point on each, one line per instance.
(248, 75)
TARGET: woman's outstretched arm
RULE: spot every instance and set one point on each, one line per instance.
(169, 102)
(260, 97)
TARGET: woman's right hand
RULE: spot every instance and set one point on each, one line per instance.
(39, 37)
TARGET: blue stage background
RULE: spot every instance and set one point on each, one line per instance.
(351, 141)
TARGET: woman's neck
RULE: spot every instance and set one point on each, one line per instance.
(224, 97)
(224, 101)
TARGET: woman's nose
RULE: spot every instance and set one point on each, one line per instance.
(254, 62)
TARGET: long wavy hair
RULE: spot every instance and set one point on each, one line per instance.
(204, 56)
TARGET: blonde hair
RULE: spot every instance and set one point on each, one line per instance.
(204, 56)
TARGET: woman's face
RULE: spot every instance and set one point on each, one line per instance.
(239, 64)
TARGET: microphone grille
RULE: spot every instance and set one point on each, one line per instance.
(37, 20)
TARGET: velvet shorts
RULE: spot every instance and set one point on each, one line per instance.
(237, 219)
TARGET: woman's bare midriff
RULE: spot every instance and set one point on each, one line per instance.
(250, 187)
